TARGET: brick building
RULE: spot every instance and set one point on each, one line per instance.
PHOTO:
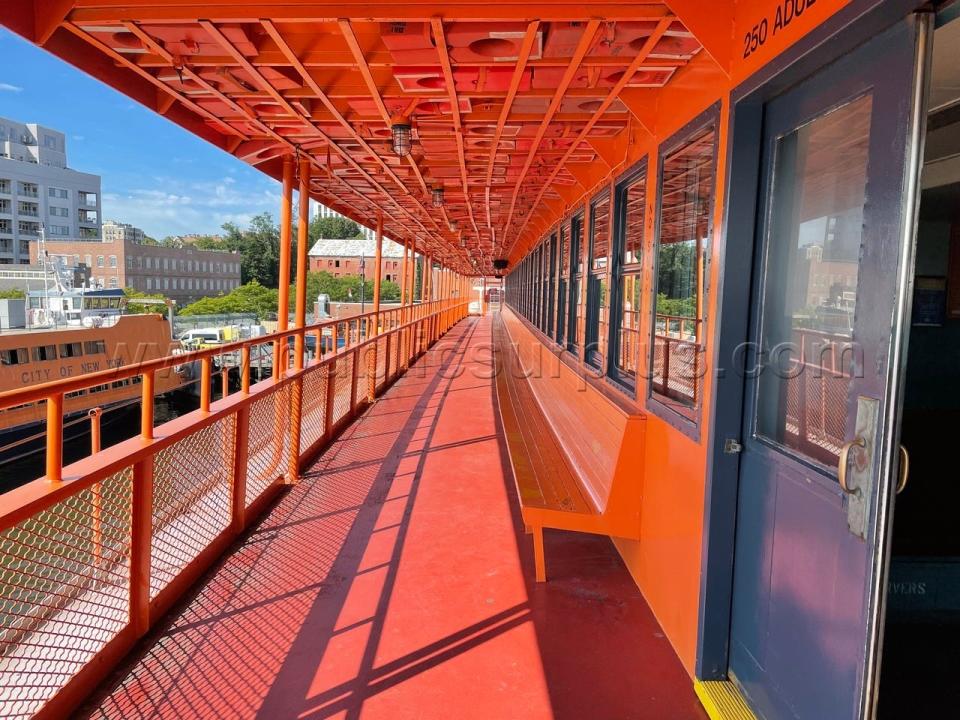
(182, 274)
(341, 257)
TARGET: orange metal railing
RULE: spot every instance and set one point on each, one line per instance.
(94, 553)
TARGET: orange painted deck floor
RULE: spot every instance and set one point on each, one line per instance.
(396, 582)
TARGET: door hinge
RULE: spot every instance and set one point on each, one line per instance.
(731, 446)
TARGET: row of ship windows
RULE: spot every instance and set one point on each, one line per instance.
(115, 385)
(583, 284)
(44, 353)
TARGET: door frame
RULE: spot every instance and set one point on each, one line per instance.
(856, 23)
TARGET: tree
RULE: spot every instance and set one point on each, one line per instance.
(249, 298)
(259, 248)
(12, 294)
(140, 308)
(332, 227)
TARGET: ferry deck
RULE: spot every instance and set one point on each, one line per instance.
(685, 469)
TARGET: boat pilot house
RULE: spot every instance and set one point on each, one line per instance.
(685, 469)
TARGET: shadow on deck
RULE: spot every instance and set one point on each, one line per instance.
(396, 581)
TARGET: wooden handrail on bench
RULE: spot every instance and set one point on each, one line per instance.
(551, 493)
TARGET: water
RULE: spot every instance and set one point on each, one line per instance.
(116, 425)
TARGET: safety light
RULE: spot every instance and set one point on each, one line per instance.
(400, 132)
(438, 196)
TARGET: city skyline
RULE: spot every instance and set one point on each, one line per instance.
(154, 174)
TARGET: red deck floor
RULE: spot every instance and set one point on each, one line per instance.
(396, 582)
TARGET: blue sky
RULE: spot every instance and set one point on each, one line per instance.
(154, 174)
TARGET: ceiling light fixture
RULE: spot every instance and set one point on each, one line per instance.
(400, 133)
(438, 196)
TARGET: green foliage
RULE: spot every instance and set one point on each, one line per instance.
(679, 307)
(140, 308)
(333, 227)
(12, 294)
(343, 289)
(210, 242)
(249, 298)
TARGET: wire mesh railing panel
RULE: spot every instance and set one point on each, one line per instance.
(343, 380)
(64, 591)
(314, 407)
(191, 499)
(268, 449)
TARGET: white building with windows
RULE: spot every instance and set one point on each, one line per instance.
(37, 186)
(322, 211)
(113, 231)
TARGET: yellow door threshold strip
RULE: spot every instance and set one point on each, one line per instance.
(722, 700)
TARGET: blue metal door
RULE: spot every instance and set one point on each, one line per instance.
(833, 254)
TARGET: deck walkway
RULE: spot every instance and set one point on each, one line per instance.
(395, 582)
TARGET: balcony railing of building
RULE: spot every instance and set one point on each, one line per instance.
(28, 192)
(96, 552)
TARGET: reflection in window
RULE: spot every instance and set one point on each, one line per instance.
(597, 304)
(551, 250)
(631, 204)
(563, 253)
(576, 275)
(686, 201)
(810, 289)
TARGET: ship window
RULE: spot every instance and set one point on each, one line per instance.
(682, 247)
(68, 350)
(94, 347)
(99, 388)
(75, 393)
(44, 352)
(15, 356)
(630, 201)
(597, 287)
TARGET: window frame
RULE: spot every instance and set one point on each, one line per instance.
(576, 277)
(619, 269)
(591, 331)
(563, 250)
(686, 419)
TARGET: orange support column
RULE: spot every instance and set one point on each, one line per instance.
(55, 438)
(283, 292)
(300, 318)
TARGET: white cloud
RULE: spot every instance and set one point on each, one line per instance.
(7, 87)
(177, 207)
(78, 137)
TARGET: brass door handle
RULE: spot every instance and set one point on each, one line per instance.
(904, 469)
(842, 464)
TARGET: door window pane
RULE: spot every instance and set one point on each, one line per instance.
(810, 289)
(686, 201)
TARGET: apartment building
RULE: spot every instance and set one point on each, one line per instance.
(183, 274)
(113, 230)
(37, 187)
(341, 257)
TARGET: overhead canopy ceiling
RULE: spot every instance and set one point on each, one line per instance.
(503, 111)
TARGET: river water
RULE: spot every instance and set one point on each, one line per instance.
(117, 425)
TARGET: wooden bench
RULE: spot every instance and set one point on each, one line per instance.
(551, 493)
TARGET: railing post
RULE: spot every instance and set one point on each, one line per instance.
(224, 382)
(140, 540)
(146, 403)
(205, 380)
(245, 370)
(55, 438)
(354, 372)
(331, 398)
(97, 491)
(238, 512)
